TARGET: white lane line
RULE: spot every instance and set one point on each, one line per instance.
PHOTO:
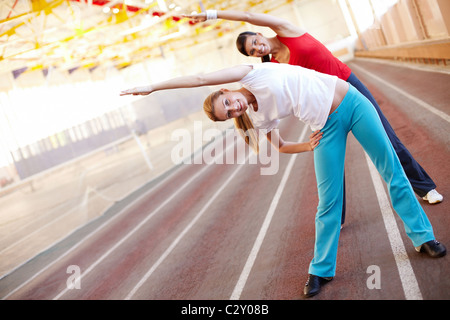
(135, 229)
(265, 226)
(94, 232)
(183, 233)
(407, 276)
(422, 103)
(85, 239)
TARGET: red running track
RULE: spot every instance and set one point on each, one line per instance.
(224, 231)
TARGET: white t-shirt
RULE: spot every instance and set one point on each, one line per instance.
(282, 90)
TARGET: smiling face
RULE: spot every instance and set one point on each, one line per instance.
(257, 45)
(229, 104)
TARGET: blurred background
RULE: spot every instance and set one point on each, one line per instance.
(70, 146)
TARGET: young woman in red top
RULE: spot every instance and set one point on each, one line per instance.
(295, 46)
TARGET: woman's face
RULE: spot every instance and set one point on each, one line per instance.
(257, 45)
(230, 104)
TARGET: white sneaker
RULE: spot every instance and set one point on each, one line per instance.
(433, 197)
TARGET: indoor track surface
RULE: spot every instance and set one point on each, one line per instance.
(210, 231)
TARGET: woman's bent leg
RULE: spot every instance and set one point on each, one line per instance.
(329, 166)
(417, 176)
(368, 130)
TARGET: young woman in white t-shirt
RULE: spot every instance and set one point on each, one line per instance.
(332, 108)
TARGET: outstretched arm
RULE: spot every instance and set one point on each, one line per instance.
(280, 26)
(223, 76)
(294, 147)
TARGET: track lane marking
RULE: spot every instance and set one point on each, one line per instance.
(99, 228)
(407, 277)
(183, 233)
(153, 213)
(422, 103)
(239, 287)
(91, 234)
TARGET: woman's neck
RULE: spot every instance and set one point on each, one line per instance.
(248, 95)
(275, 45)
(278, 50)
(251, 99)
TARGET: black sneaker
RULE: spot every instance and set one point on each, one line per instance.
(434, 249)
(313, 285)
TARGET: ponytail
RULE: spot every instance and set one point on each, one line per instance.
(242, 123)
(266, 58)
(247, 131)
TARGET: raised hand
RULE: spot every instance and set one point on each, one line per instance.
(137, 91)
(198, 17)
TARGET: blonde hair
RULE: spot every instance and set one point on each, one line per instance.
(242, 123)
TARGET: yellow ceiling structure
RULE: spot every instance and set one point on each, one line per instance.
(72, 34)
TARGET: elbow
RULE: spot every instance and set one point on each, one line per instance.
(277, 142)
(200, 80)
(246, 16)
(281, 147)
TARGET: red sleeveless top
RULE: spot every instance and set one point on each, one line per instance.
(307, 52)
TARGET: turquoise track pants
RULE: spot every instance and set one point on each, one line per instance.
(356, 114)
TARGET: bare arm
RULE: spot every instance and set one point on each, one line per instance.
(280, 26)
(223, 76)
(294, 147)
